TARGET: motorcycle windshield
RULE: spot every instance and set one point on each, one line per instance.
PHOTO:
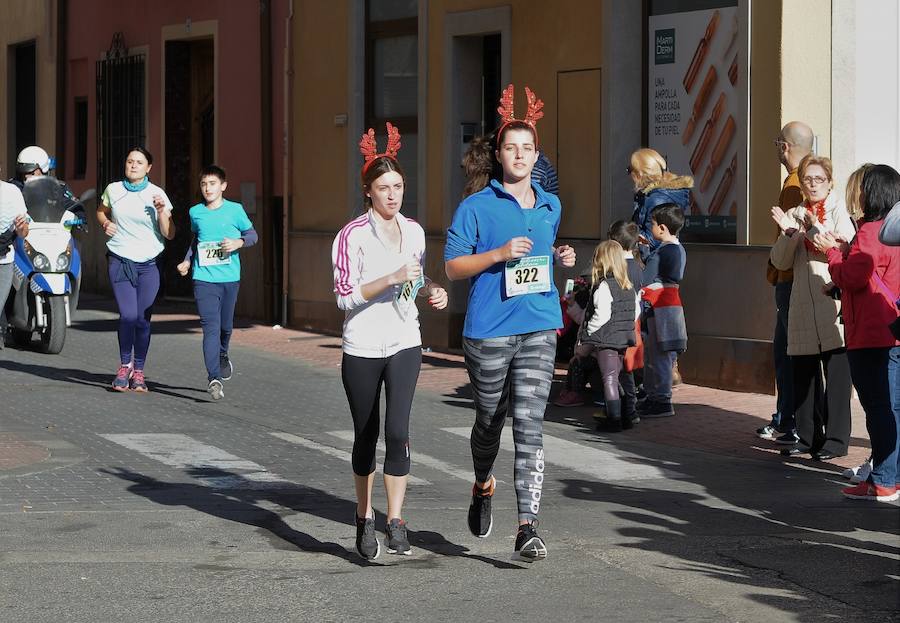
(44, 199)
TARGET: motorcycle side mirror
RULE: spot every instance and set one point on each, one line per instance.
(88, 195)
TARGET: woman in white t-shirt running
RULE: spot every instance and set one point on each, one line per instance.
(137, 217)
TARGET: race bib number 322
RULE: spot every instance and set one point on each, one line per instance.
(212, 254)
(527, 275)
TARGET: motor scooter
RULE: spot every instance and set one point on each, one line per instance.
(47, 267)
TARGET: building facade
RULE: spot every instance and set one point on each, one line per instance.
(437, 68)
(195, 83)
(280, 91)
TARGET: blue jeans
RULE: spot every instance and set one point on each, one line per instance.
(215, 304)
(876, 375)
(657, 367)
(784, 368)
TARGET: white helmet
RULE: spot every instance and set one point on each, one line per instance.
(32, 158)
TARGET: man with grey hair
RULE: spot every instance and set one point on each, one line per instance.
(794, 143)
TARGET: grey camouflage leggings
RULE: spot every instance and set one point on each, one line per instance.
(514, 374)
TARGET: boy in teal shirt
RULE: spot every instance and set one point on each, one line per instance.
(221, 228)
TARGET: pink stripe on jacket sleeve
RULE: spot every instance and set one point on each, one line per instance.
(343, 279)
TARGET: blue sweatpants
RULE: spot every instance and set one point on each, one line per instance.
(215, 304)
(135, 308)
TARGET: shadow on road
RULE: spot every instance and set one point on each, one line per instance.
(160, 326)
(582, 418)
(92, 379)
(806, 541)
(770, 551)
(790, 535)
(240, 504)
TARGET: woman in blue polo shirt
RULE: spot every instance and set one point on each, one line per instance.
(502, 239)
(221, 228)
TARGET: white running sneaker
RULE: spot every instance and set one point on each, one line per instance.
(215, 389)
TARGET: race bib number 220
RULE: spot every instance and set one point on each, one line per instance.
(212, 254)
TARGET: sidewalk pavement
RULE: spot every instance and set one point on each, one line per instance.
(17, 452)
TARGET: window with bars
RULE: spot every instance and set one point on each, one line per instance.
(120, 112)
(392, 82)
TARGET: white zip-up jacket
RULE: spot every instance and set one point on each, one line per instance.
(374, 328)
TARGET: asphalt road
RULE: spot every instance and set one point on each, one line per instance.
(169, 507)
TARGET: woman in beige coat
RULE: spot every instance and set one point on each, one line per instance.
(815, 332)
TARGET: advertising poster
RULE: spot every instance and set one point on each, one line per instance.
(695, 118)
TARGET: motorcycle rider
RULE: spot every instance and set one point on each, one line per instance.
(32, 162)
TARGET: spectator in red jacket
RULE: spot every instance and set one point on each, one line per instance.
(868, 274)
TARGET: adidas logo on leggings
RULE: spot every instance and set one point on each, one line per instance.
(538, 476)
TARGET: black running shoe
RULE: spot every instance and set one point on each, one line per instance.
(529, 546)
(654, 409)
(225, 367)
(796, 450)
(397, 541)
(788, 439)
(480, 519)
(366, 543)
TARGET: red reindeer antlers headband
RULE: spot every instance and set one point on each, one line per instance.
(369, 148)
(507, 114)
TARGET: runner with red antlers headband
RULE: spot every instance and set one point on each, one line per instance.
(377, 261)
(502, 238)
(508, 115)
(368, 147)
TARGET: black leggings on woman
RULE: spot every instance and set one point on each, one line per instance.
(362, 378)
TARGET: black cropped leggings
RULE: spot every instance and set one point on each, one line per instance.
(363, 377)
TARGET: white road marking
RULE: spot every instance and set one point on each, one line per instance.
(418, 459)
(594, 462)
(336, 453)
(184, 452)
